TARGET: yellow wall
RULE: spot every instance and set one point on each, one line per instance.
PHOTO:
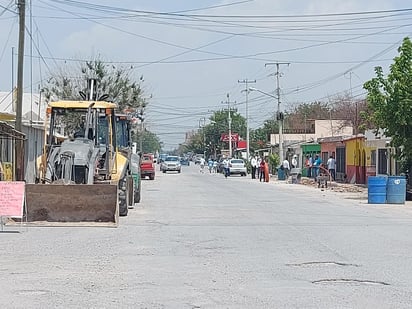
(354, 149)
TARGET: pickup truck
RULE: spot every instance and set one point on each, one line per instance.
(147, 166)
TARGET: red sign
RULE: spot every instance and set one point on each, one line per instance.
(241, 145)
(225, 137)
(12, 198)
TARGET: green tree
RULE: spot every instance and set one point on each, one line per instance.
(112, 83)
(150, 141)
(219, 125)
(195, 144)
(390, 102)
(115, 82)
(258, 139)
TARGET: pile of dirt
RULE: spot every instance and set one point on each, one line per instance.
(336, 186)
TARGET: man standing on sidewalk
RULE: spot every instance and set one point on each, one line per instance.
(253, 163)
(286, 168)
(331, 167)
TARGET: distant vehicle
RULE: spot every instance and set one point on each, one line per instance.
(237, 166)
(171, 163)
(197, 158)
(184, 161)
(147, 167)
(162, 156)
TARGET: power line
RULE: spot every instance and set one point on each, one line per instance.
(106, 8)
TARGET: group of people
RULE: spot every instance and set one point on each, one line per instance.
(260, 166)
(286, 166)
(315, 166)
(211, 165)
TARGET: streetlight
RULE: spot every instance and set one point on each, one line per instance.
(279, 117)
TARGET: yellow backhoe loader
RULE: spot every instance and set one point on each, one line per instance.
(83, 174)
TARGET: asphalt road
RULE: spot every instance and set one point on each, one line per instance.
(203, 241)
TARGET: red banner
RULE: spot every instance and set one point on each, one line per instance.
(225, 137)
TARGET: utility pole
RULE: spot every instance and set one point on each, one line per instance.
(141, 136)
(21, 4)
(19, 148)
(247, 82)
(202, 123)
(229, 120)
(279, 115)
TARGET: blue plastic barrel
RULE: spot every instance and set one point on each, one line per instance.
(396, 190)
(281, 174)
(377, 189)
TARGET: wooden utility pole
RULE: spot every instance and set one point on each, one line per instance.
(21, 4)
(19, 154)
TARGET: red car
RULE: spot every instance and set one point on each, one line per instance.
(147, 166)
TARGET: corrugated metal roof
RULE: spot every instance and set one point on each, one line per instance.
(7, 130)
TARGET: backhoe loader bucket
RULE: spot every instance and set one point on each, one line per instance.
(72, 203)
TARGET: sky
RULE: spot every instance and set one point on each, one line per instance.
(192, 54)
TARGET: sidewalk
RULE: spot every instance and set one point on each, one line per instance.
(344, 190)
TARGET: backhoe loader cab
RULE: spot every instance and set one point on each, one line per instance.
(83, 176)
(87, 151)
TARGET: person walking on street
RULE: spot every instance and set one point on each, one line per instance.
(226, 167)
(210, 165)
(202, 165)
(253, 163)
(262, 170)
(331, 167)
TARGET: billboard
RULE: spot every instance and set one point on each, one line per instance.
(224, 137)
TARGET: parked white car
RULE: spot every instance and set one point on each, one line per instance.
(237, 166)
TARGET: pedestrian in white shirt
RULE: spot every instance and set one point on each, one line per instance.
(286, 167)
(258, 161)
(253, 163)
(202, 165)
(331, 163)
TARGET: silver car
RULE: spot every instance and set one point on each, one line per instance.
(237, 166)
(171, 163)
